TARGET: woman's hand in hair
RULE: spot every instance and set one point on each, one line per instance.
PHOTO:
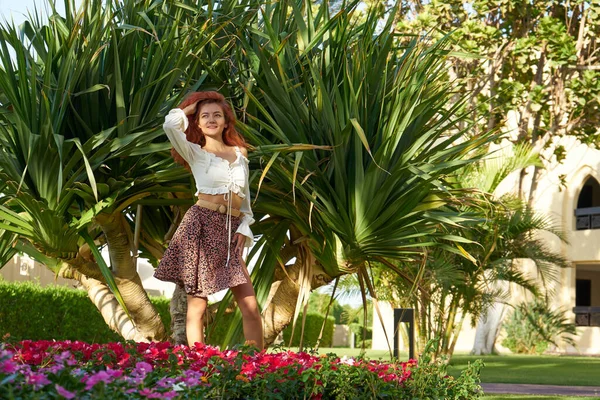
(191, 109)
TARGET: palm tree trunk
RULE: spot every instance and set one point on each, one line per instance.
(178, 309)
(280, 307)
(281, 302)
(488, 328)
(114, 316)
(99, 293)
(120, 244)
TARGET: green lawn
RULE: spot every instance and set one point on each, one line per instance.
(543, 370)
(529, 397)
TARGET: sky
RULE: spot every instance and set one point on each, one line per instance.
(17, 9)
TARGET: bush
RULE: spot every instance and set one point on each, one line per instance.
(28, 311)
(430, 379)
(312, 328)
(531, 327)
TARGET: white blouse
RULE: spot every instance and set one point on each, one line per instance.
(213, 174)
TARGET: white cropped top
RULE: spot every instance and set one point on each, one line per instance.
(213, 174)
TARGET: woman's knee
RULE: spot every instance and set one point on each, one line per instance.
(249, 309)
(196, 308)
(193, 314)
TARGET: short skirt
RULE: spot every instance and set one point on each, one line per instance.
(196, 258)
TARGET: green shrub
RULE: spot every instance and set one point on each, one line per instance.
(312, 328)
(28, 311)
(531, 327)
(430, 379)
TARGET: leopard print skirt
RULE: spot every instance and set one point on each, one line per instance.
(197, 254)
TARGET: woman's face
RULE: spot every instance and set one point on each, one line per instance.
(211, 119)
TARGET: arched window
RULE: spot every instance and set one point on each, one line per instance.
(588, 205)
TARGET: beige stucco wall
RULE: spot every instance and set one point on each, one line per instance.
(584, 245)
(342, 336)
(556, 196)
(22, 268)
(380, 342)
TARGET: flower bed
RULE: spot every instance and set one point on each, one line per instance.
(77, 370)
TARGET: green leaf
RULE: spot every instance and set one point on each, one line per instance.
(106, 272)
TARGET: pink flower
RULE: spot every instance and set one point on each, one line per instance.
(37, 380)
(142, 368)
(100, 376)
(64, 392)
(8, 367)
(150, 394)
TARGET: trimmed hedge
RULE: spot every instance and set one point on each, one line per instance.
(312, 328)
(29, 311)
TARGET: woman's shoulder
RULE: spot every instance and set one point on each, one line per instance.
(242, 150)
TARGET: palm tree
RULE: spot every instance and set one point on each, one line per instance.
(82, 99)
(356, 129)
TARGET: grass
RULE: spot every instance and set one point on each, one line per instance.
(529, 397)
(541, 370)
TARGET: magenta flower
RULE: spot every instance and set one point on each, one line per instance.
(142, 368)
(165, 382)
(100, 376)
(150, 394)
(37, 380)
(8, 367)
(64, 392)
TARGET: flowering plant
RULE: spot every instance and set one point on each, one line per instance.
(75, 370)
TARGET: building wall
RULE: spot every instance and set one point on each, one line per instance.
(556, 196)
(24, 269)
(380, 342)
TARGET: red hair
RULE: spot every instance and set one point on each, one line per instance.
(231, 137)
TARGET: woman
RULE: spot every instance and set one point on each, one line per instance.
(205, 253)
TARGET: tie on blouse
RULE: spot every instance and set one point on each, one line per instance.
(213, 174)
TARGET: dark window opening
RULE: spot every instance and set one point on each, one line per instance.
(586, 197)
(583, 293)
(587, 214)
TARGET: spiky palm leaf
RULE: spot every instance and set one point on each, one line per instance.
(356, 131)
(82, 102)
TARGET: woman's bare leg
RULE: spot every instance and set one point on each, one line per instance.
(253, 323)
(194, 324)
